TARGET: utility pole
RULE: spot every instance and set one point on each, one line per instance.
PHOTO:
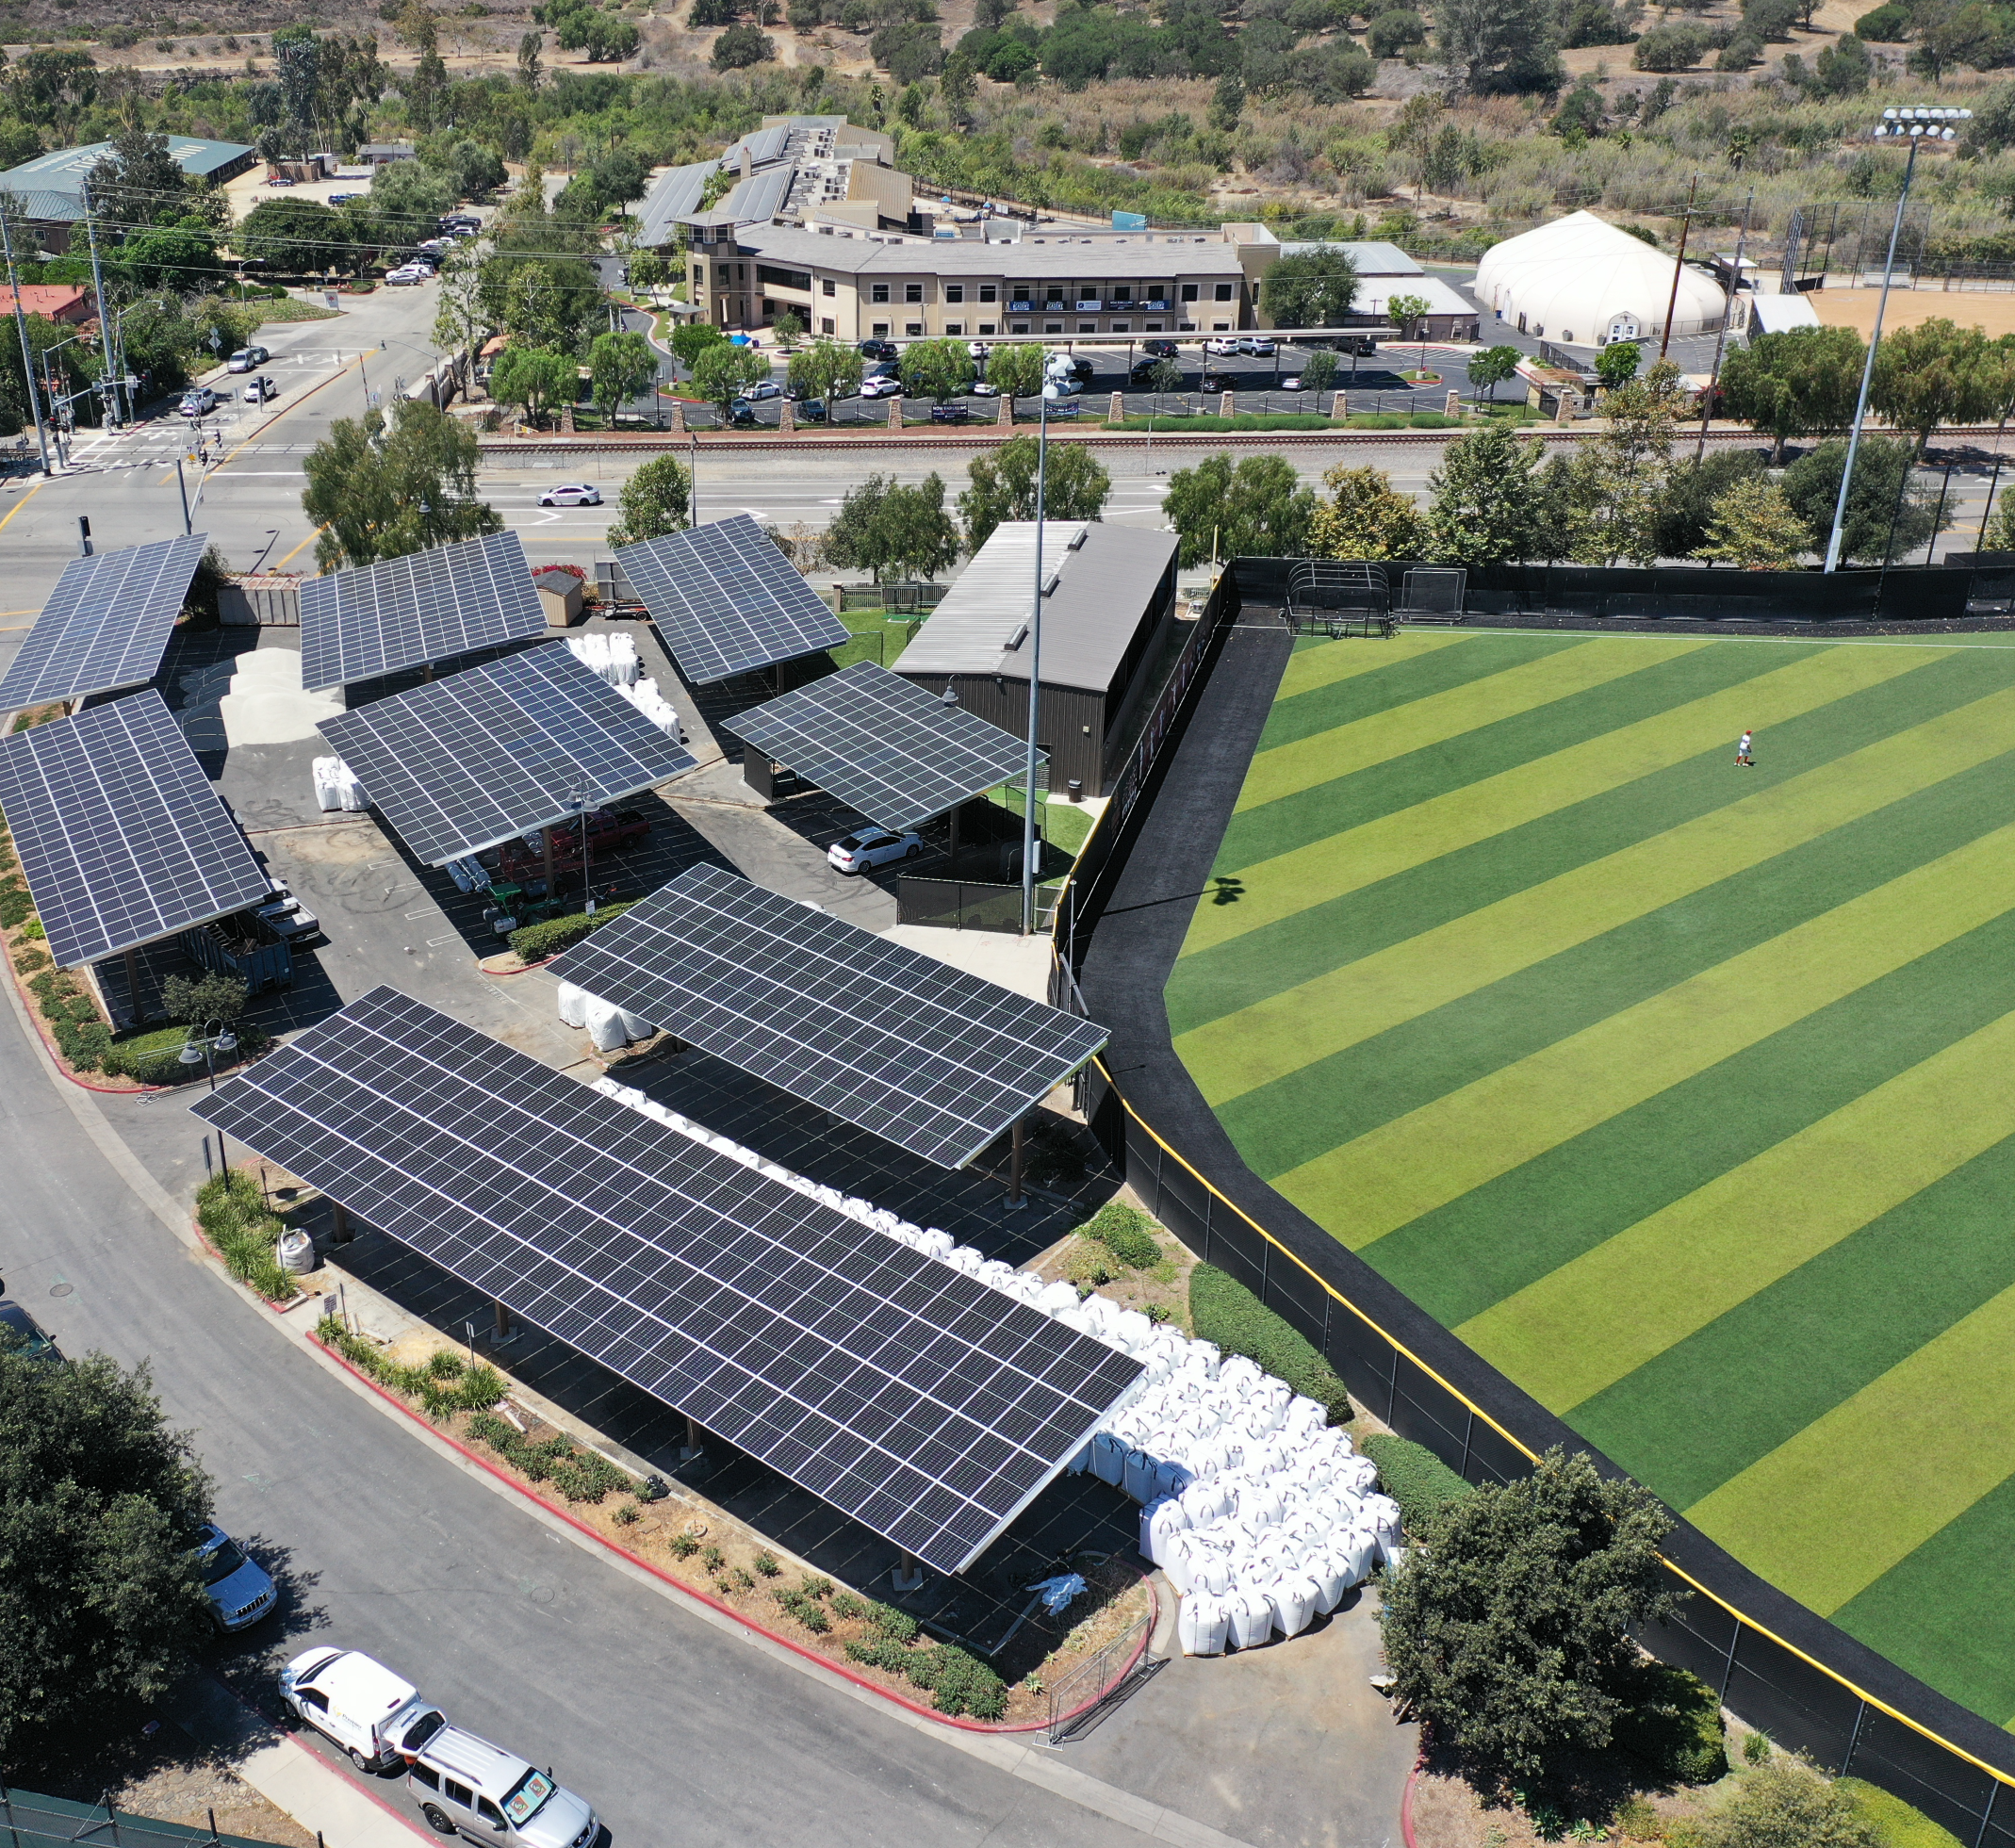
(1678, 266)
(1721, 339)
(113, 414)
(27, 358)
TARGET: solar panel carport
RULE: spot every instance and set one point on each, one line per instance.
(938, 1061)
(918, 1402)
(106, 625)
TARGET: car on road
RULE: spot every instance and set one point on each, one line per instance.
(247, 359)
(23, 1334)
(198, 401)
(367, 1709)
(407, 274)
(872, 846)
(571, 494)
(881, 350)
(1158, 349)
(261, 391)
(882, 386)
(238, 1590)
(765, 388)
(467, 1787)
(1256, 344)
(1223, 344)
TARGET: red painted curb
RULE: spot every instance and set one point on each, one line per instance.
(728, 1609)
(1406, 1806)
(27, 1001)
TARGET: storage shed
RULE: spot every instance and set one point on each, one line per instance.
(1108, 605)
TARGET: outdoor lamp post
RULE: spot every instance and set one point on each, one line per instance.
(199, 1048)
(1918, 125)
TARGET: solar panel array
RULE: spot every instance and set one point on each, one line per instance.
(921, 1053)
(106, 625)
(459, 764)
(120, 836)
(883, 745)
(430, 606)
(913, 1398)
(726, 601)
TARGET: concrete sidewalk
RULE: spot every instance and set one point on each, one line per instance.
(318, 1796)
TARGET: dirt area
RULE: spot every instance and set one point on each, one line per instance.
(1159, 1291)
(154, 1769)
(1908, 307)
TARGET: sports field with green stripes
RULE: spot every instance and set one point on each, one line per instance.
(1683, 1093)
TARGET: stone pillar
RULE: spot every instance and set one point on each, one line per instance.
(1228, 405)
(566, 420)
(786, 418)
(1340, 406)
(1455, 404)
(1564, 410)
(1117, 413)
(678, 424)
(1004, 409)
(895, 414)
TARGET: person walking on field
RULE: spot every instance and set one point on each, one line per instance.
(1742, 751)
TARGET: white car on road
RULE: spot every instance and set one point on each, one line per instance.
(407, 273)
(872, 846)
(571, 494)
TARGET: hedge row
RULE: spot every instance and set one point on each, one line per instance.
(956, 1682)
(1415, 1478)
(534, 943)
(580, 1474)
(234, 1218)
(155, 1058)
(443, 1382)
(1222, 1310)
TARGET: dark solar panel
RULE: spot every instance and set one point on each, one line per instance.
(431, 606)
(727, 600)
(926, 1406)
(883, 745)
(120, 836)
(459, 764)
(106, 625)
(934, 1059)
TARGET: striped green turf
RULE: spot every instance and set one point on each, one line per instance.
(1678, 1089)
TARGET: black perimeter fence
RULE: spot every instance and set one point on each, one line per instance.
(1811, 1686)
(27, 1821)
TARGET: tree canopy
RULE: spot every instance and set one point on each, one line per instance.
(657, 500)
(1311, 288)
(1364, 518)
(1937, 373)
(1257, 508)
(1003, 486)
(890, 529)
(380, 492)
(1798, 383)
(621, 367)
(1881, 498)
(724, 372)
(937, 369)
(827, 369)
(295, 237)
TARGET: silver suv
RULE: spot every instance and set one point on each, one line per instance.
(468, 1787)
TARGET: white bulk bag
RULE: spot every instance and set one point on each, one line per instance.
(323, 771)
(1357, 1552)
(606, 1029)
(1213, 1574)
(1134, 1329)
(937, 1243)
(1384, 1515)
(1139, 1482)
(1159, 1521)
(1331, 1574)
(1200, 1626)
(1252, 1618)
(1056, 1298)
(1171, 1477)
(1109, 1458)
(574, 1006)
(1306, 1416)
(1294, 1600)
(1175, 1559)
(1357, 1473)
(635, 1026)
(1241, 1375)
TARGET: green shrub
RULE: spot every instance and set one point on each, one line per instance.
(898, 1625)
(1894, 1820)
(881, 1652)
(1756, 1748)
(536, 942)
(1125, 1231)
(1415, 1478)
(446, 1364)
(628, 1514)
(765, 1562)
(846, 1604)
(235, 1219)
(685, 1545)
(1673, 1723)
(1222, 1310)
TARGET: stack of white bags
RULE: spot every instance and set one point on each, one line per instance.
(335, 785)
(609, 653)
(608, 1026)
(646, 697)
(1260, 1516)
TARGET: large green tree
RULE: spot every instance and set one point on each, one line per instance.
(1489, 368)
(725, 371)
(1365, 517)
(1257, 509)
(894, 530)
(295, 237)
(1799, 383)
(555, 302)
(1937, 373)
(99, 1601)
(1884, 497)
(1311, 288)
(1002, 486)
(1755, 527)
(1511, 1630)
(621, 367)
(1493, 45)
(380, 492)
(937, 369)
(1692, 490)
(692, 338)
(180, 257)
(137, 181)
(1616, 478)
(657, 500)
(1015, 371)
(536, 377)
(827, 369)
(1488, 504)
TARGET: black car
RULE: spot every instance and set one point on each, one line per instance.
(1144, 371)
(1084, 368)
(19, 1330)
(743, 416)
(950, 414)
(809, 411)
(1158, 349)
(1218, 382)
(881, 350)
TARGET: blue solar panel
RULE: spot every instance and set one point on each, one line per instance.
(106, 625)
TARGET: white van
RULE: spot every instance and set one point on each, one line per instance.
(468, 1787)
(361, 1705)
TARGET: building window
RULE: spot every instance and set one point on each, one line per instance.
(1019, 327)
(1087, 327)
(826, 325)
(797, 278)
(954, 292)
(1221, 327)
(955, 327)
(699, 275)
(725, 273)
(1053, 327)
(769, 308)
(1188, 291)
(989, 293)
(1154, 327)
(881, 330)
(1224, 292)
(878, 292)
(827, 286)
(990, 327)
(741, 272)
(912, 330)
(1123, 327)
(912, 291)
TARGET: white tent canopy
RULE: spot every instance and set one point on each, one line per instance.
(1582, 282)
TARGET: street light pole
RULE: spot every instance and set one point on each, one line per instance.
(1035, 672)
(27, 358)
(1920, 125)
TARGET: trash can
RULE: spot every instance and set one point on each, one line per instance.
(1077, 789)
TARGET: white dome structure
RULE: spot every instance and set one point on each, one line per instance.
(1582, 283)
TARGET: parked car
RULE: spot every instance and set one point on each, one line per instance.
(198, 401)
(1222, 344)
(951, 413)
(980, 388)
(1080, 369)
(1257, 346)
(407, 274)
(288, 918)
(361, 1705)
(741, 415)
(1293, 384)
(881, 350)
(238, 1590)
(261, 391)
(1158, 349)
(571, 494)
(344, 198)
(247, 359)
(278, 179)
(809, 411)
(467, 1787)
(1143, 370)
(610, 830)
(23, 1334)
(1214, 380)
(766, 388)
(883, 386)
(978, 349)
(872, 846)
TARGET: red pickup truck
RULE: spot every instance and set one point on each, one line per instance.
(610, 831)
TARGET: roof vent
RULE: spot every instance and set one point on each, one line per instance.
(1021, 634)
(1078, 538)
(1050, 583)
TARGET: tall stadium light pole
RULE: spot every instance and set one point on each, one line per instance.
(1919, 125)
(27, 358)
(1034, 668)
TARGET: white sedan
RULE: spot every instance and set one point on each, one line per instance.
(768, 388)
(571, 494)
(872, 846)
(409, 274)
